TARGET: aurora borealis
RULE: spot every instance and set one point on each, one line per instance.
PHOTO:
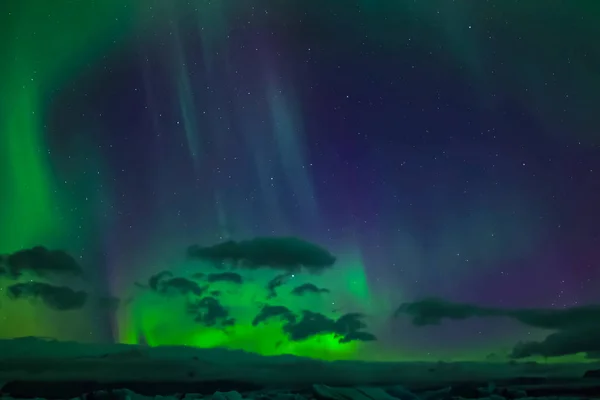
(435, 148)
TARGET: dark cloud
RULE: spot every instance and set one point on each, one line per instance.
(60, 298)
(432, 311)
(41, 262)
(311, 324)
(210, 312)
(274, 283)
(198, 275)
(350, 322)
(183, 286)
(359, 337)
(285, 253)
(581, 317)
(155, 280)
(231, 277)
(164, 282)
(562, 343)
(578, 328)
(308, 288)
(347, 328)
(270, 312)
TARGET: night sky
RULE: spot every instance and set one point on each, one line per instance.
(437, 148)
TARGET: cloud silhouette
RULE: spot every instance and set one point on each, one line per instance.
(308, 288)
(432, 311)
(276, 282)
(208, 311)
(347, 328)
(562, 343)
(39, 261)
(274, 312)
(156, 280)
(60, 298)
(358, 337)
(183, 286)
(284, 253)
(578, 328)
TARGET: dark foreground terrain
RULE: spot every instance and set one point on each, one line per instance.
(36, 368)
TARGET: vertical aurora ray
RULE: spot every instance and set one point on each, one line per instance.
(28, 207)
(185, 93)
(287, 131)
(258, 144)
(186, 101)
(212, 31)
